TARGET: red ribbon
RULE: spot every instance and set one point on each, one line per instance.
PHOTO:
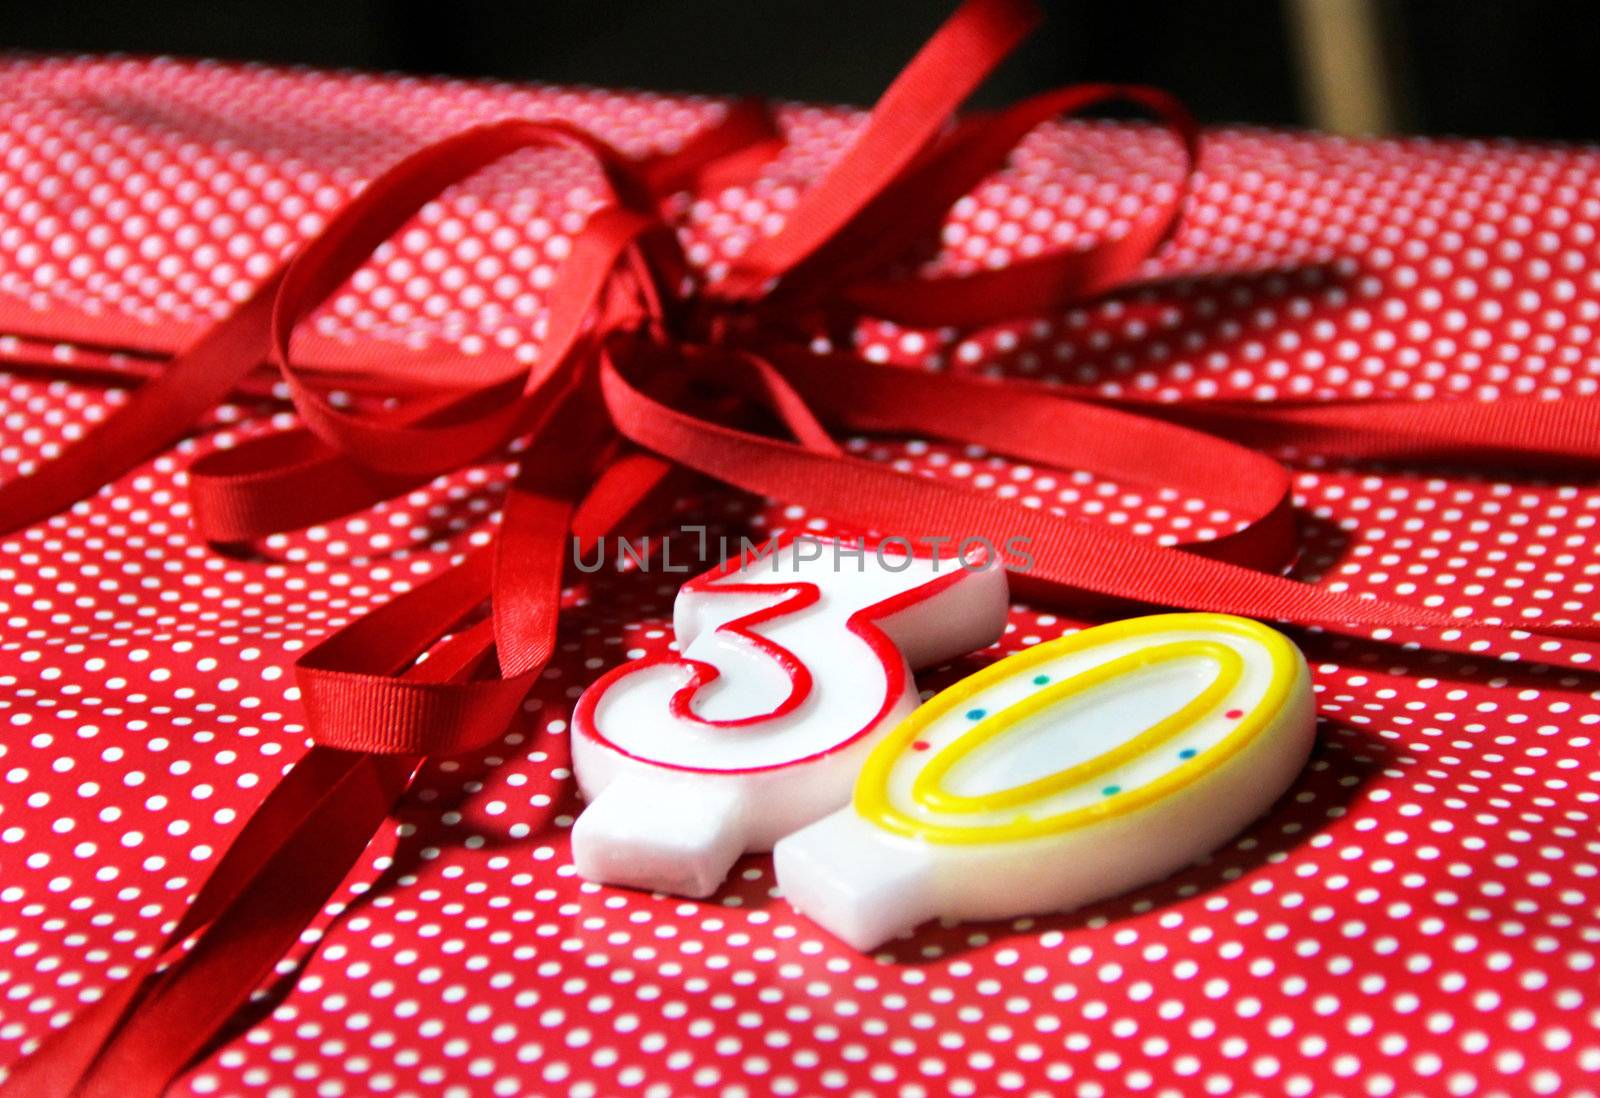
(615, 406)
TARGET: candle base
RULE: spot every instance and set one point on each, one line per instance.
(661, 836)
(882, 889)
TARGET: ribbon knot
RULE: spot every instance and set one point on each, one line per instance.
(715, 322)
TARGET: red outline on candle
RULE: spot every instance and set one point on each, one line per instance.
(863, 623)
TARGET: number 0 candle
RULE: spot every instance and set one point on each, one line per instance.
(1064, 774)
(793, 664)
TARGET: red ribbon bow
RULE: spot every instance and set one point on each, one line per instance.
(617, 403)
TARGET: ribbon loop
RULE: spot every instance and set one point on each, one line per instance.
(445, 439)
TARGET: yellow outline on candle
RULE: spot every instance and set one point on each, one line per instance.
(872, 799)
(928, 788)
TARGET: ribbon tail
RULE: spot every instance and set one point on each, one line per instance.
(1522, 433)
(1053, 555)
(1036, 424)
(297, 807)
(189, 1003)
(274, 878)
(159, 413)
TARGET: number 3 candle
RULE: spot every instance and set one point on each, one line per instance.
(1061, 775)
(794, 663)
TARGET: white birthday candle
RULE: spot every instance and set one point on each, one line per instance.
(1064, 774)
(793, 664)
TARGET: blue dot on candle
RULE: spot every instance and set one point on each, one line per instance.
(1040, 680)
(1186, 753)
(976, 714)
(1112, 790)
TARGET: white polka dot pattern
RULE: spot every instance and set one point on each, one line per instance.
(1418, 916)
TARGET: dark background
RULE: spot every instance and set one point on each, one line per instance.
(1475, 67)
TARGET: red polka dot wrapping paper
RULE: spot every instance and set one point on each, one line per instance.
(1419, 915)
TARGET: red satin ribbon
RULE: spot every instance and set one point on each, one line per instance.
(611, 414)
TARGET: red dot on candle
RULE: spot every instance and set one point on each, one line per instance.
(921, 745)
(1234, 714)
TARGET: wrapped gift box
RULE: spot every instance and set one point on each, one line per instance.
(1418, 916)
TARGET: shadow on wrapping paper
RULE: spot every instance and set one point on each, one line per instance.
(1324, 546)
(1160, 331)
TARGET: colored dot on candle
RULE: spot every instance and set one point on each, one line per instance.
(1234, 714)
(1186, 753)
(976, 714)
(1112, 790)
(921, 745)
(1040, 680)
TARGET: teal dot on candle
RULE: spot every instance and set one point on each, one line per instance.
(1040, 680)
(1186, 753)
(976, 714)
(1112, 790)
